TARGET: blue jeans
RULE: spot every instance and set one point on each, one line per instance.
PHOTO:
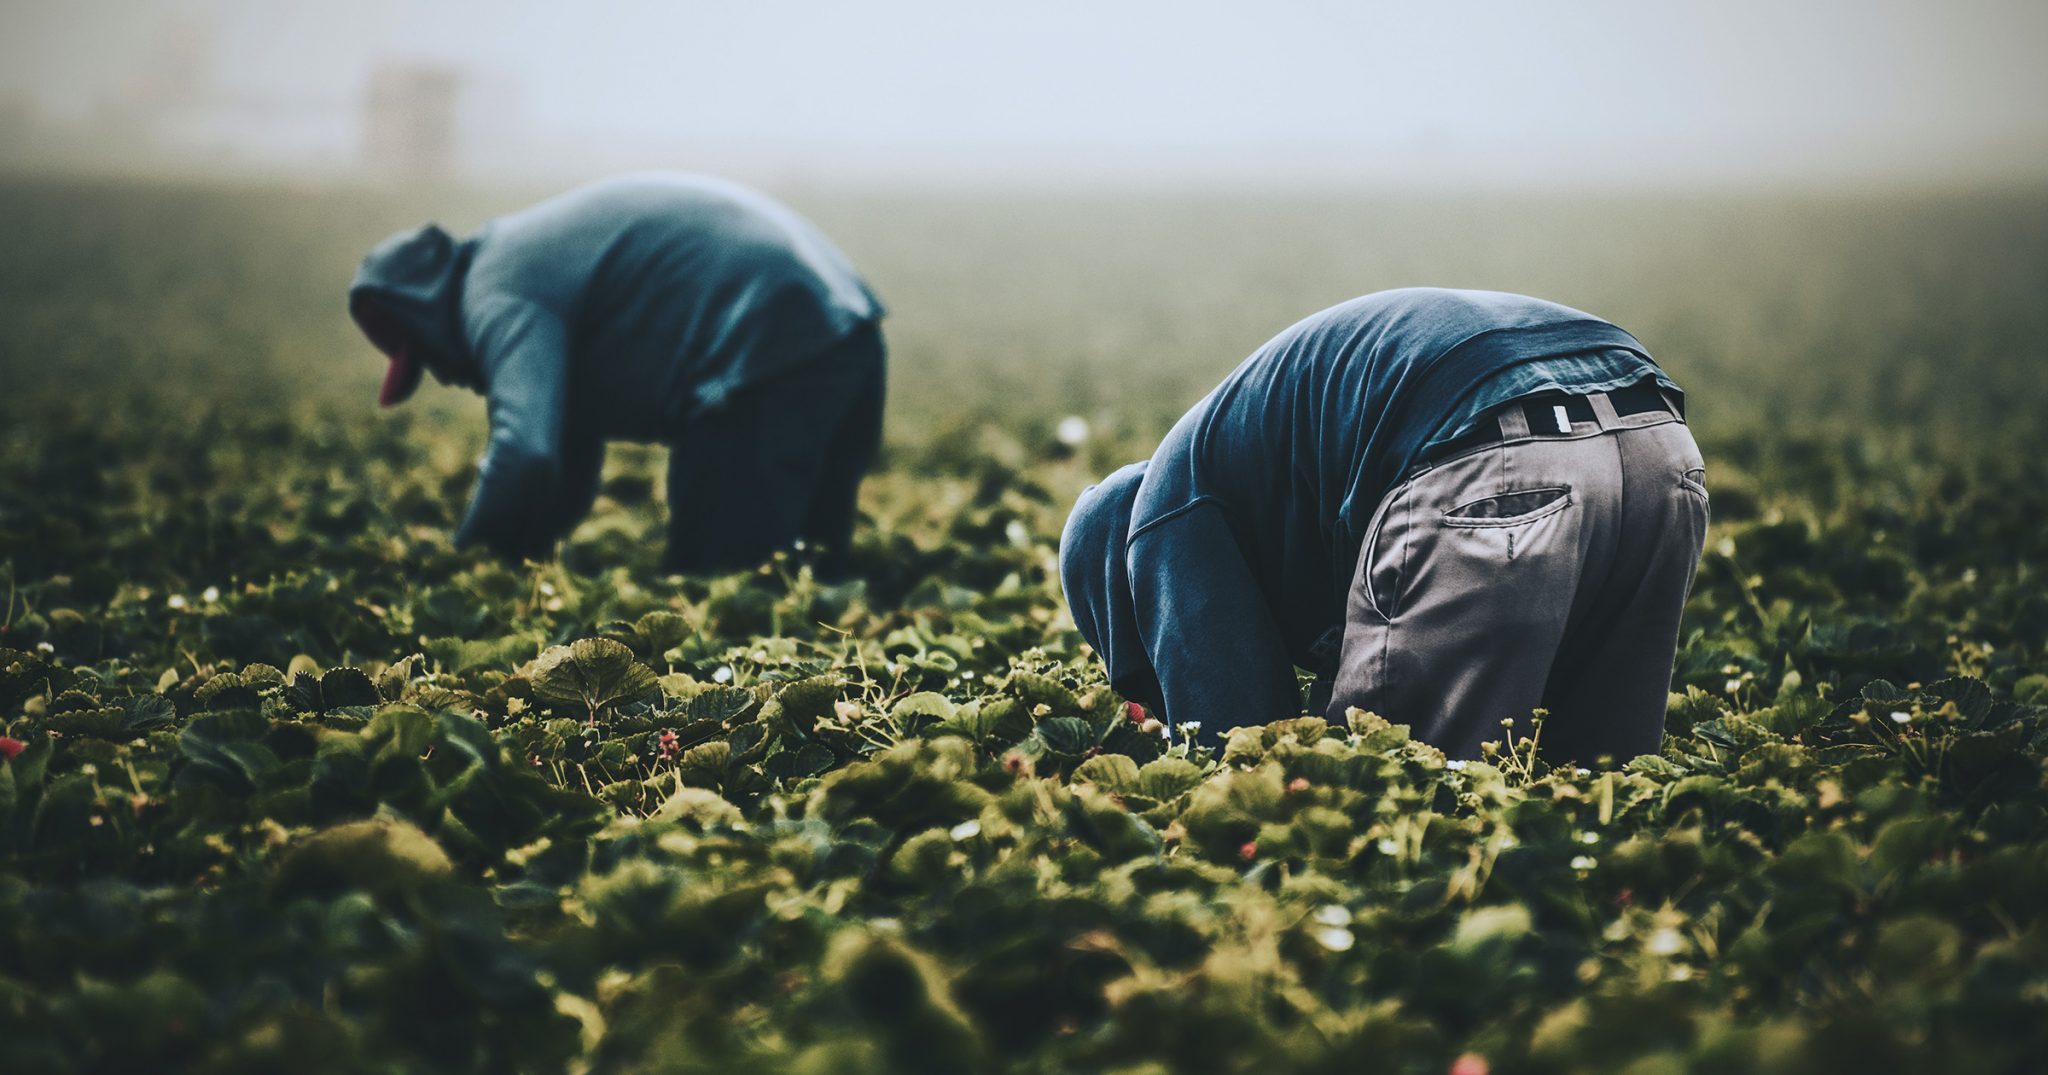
(779, 462)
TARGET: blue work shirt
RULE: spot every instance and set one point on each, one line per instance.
(1579, 375)
(616, 311)
(1206, 576)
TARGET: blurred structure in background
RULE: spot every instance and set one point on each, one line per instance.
(1840, 94)
(207, 88)
(409, 121)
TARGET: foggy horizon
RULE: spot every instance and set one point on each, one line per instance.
(1458, 96)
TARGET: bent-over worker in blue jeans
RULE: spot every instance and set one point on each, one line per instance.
(663, 308)
(1452, 507)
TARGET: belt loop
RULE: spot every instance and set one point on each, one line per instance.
(1514, 422)
(1603, 411)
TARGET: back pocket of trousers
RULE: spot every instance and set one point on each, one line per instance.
(1510, 509)
(1695, 480)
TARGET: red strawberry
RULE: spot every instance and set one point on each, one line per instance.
(10, 746)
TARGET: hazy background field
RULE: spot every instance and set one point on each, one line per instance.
(1919, 312)
(1821, 216)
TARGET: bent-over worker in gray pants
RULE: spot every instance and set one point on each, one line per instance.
(1452, 507)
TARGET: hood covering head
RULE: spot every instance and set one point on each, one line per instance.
(1098, 584)
(407, 299)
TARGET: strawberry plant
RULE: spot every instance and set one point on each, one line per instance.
(286, 782)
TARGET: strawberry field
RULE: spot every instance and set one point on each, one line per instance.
(289, 784)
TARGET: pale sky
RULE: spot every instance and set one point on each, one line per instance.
(1588, 90)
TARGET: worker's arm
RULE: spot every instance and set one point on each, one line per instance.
(1207, 627)
(523, 348)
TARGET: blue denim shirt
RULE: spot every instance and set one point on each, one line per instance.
(1580, 375)
(615, 311)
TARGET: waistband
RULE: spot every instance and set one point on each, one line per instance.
(1552, 413)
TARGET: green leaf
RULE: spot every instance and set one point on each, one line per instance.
(222, 748)
(1106, 826)
(467, 736)
(1070, 736)
(798, 707)
(400, 731)
(110, 723)
(1919, 948)
(336, 689)
(1905, 844)
(382, 856)
(994, 721)
(699, 806)
(725, 706)
(661, 631)
(347, 686)
(1168, 778)
(1035, 690)
(808, 760)
(226, 691)
(149, 711)
(915, 712)
(590, 674)
(1484, 931)
(1114, 772)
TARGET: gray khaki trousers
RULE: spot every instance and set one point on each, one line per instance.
(1547, 570)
